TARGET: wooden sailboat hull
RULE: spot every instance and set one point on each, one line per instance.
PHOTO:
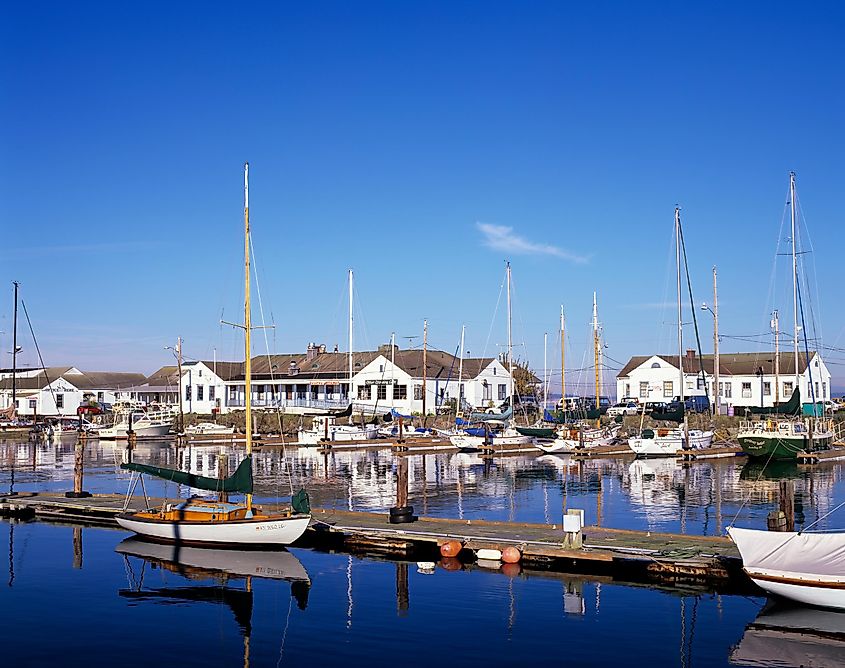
(803, 567)
(233, 533)
(671, 444)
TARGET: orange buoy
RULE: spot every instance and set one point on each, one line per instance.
(511, 555)
(450, 548)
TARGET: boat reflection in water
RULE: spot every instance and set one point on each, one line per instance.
(785, 635)
(224, 566)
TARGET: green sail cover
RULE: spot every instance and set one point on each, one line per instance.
(536, 432)
(239, 482)
(791, 407)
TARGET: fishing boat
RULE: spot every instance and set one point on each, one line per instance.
(146, 421)
(787, 434)
(667, 442)
(220, 523)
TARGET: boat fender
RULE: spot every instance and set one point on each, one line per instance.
(489, 554)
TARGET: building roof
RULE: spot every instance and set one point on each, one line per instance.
(730, 364)
(83, 380)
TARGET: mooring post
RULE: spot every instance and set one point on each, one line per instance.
(787, 503)
(402, 512)
(79, 451)
(403, 596)
(222, 474)
(131, 436)
(573, 523)
(77, 547)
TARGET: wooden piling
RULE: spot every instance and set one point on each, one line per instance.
(77, 547)
(402, 483)
(787, 503)
(222, 474)
(403, 597)
(78, 471)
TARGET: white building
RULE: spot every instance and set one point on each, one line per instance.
(485, 381)
(61, 390)
(203, 386)
(320, 379)
(745, 379)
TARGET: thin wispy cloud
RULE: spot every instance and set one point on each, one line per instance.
(503, 238)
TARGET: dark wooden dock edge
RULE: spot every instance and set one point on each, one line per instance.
(704, 563)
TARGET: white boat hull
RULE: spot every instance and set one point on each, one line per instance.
(272, 531)
(337, 433)
(803, 567)
(141, 431)
(468, 442)
(671, 444)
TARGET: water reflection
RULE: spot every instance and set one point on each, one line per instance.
(793, 636)
(659, 495)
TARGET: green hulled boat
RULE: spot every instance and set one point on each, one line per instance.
(783, 439)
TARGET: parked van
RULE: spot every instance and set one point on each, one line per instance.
(699, 403)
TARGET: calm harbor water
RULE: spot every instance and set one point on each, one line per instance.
(88, 596)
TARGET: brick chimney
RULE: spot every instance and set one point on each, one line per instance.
(690, 355)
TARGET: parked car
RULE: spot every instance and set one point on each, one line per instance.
(655, 407)
(698, 403)
(521, 403)
(623, 408)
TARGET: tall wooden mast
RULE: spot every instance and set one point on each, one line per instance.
(247, 331)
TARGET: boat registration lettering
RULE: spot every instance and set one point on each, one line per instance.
(269, 527)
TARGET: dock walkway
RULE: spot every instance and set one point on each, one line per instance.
(637, 555)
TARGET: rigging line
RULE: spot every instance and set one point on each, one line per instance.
(807, 352)
(38, 350)
(692, 308)
(270, 366)
(493, 320)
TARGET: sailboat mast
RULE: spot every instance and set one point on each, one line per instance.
(350, 340)
(794, 274)
(776, 326)
(181, 392)
(461, 374)
(510, 342)
(717, 402)
(680, 321)
(247, 331)
(425, 365)
(15, 349)
(562, 358)
(597, 356)
(393, 364)
(545, 370)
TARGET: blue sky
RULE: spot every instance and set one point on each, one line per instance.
(422, 145)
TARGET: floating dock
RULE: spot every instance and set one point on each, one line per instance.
(672, 559)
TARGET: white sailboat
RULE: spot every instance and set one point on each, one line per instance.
(325, 427)
(669, 442)
(805, 566)
(145, 421)
(495, 433)
(220, 523)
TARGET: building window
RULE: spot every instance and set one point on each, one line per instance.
(461, 391)
(382, 392)
(60, 401)
(211, 392)
(418, 392)
(363, 391)
(503, 391)
(746, 390)
(817, 389)
(824, 390)
(655, 365)
(643, 389)
(728, 390)
(787, 388)
(314, 390)
(701, 385)
(627, 389)
(668, 389)
(400, 391)
(33, 403)
(767, 389)
(100, 397)
(487, 392)
(689, 383)
(187, 392)
(200, 392)
(494, 371)
(233, 393)
(381, 368)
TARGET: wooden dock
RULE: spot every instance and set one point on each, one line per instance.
(715, 452)
(633, 555)
(818, 456)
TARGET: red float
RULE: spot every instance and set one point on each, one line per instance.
(450, 548)
(511, 555)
